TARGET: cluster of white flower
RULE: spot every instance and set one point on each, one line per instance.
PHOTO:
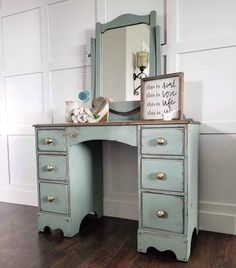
(76, 113)
(82, 115)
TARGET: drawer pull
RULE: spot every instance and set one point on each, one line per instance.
(50, 167)
(161, 214)
(48, 140)
(51, 198)
(161, 175)
(161, 141)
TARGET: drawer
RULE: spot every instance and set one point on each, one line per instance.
(52, 167)
(53, 197)
(163, 174)
(51, 140)
(162, 141)
(163, 212)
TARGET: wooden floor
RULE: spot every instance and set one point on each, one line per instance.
(108, 242)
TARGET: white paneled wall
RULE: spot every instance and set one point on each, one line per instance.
(42, 65)
(21, 44)
(71, 24)
(201, 42)
(210, 80)
(24, 99)
(218, 169)
(202, 19)
(66, 84)
(4, 178)
(22, 160)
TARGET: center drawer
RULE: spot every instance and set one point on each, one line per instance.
(162, 141)
(52, 167)
(163, 212)
(53, 197)
(162, 174)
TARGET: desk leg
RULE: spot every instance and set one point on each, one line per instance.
(97, 166)
(86, 182)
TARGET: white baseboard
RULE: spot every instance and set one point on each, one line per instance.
(217, 217)
(18, 196)
(219, 223)
(120, 209)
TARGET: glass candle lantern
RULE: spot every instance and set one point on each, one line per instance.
(142, 59)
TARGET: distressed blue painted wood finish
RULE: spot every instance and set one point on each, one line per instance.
(164, 174)
(153, 232)
(124, 134)
(51, 140)
(162, 141)
(52, 167)
(80, 147)
(158, 51)
(170, 206)
(59, 192)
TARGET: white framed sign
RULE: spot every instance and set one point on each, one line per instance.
(161, 96)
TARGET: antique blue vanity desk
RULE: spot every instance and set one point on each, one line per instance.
(70, 169)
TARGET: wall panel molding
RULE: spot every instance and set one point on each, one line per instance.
(221, 128)
(221, 208)
(24, 197)
(19, 49)
(210, 43)
(120, 209)
(8, 10)
(4, 164)
(66, 42)
(198, 45)
(101, 8)
(205, 52)
(202, 19)
(15, 185)
(217, 217)
(171, 36)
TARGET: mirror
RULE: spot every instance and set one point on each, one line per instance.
(114, 65)
(120, 56)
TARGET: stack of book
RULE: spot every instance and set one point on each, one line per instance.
(100, 109)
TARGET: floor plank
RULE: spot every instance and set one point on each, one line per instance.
(107, 242)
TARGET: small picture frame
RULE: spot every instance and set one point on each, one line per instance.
(162, 97)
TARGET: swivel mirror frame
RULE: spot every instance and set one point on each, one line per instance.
(125, 110)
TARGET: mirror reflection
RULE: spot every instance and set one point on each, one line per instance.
(125, 60)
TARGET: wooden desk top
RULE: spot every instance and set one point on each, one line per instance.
(124, 123)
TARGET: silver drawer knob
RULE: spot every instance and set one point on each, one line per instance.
(48, 140)
(161, 175)
(161, 213)
(51, 198)
(50, 167)
(161, 141)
